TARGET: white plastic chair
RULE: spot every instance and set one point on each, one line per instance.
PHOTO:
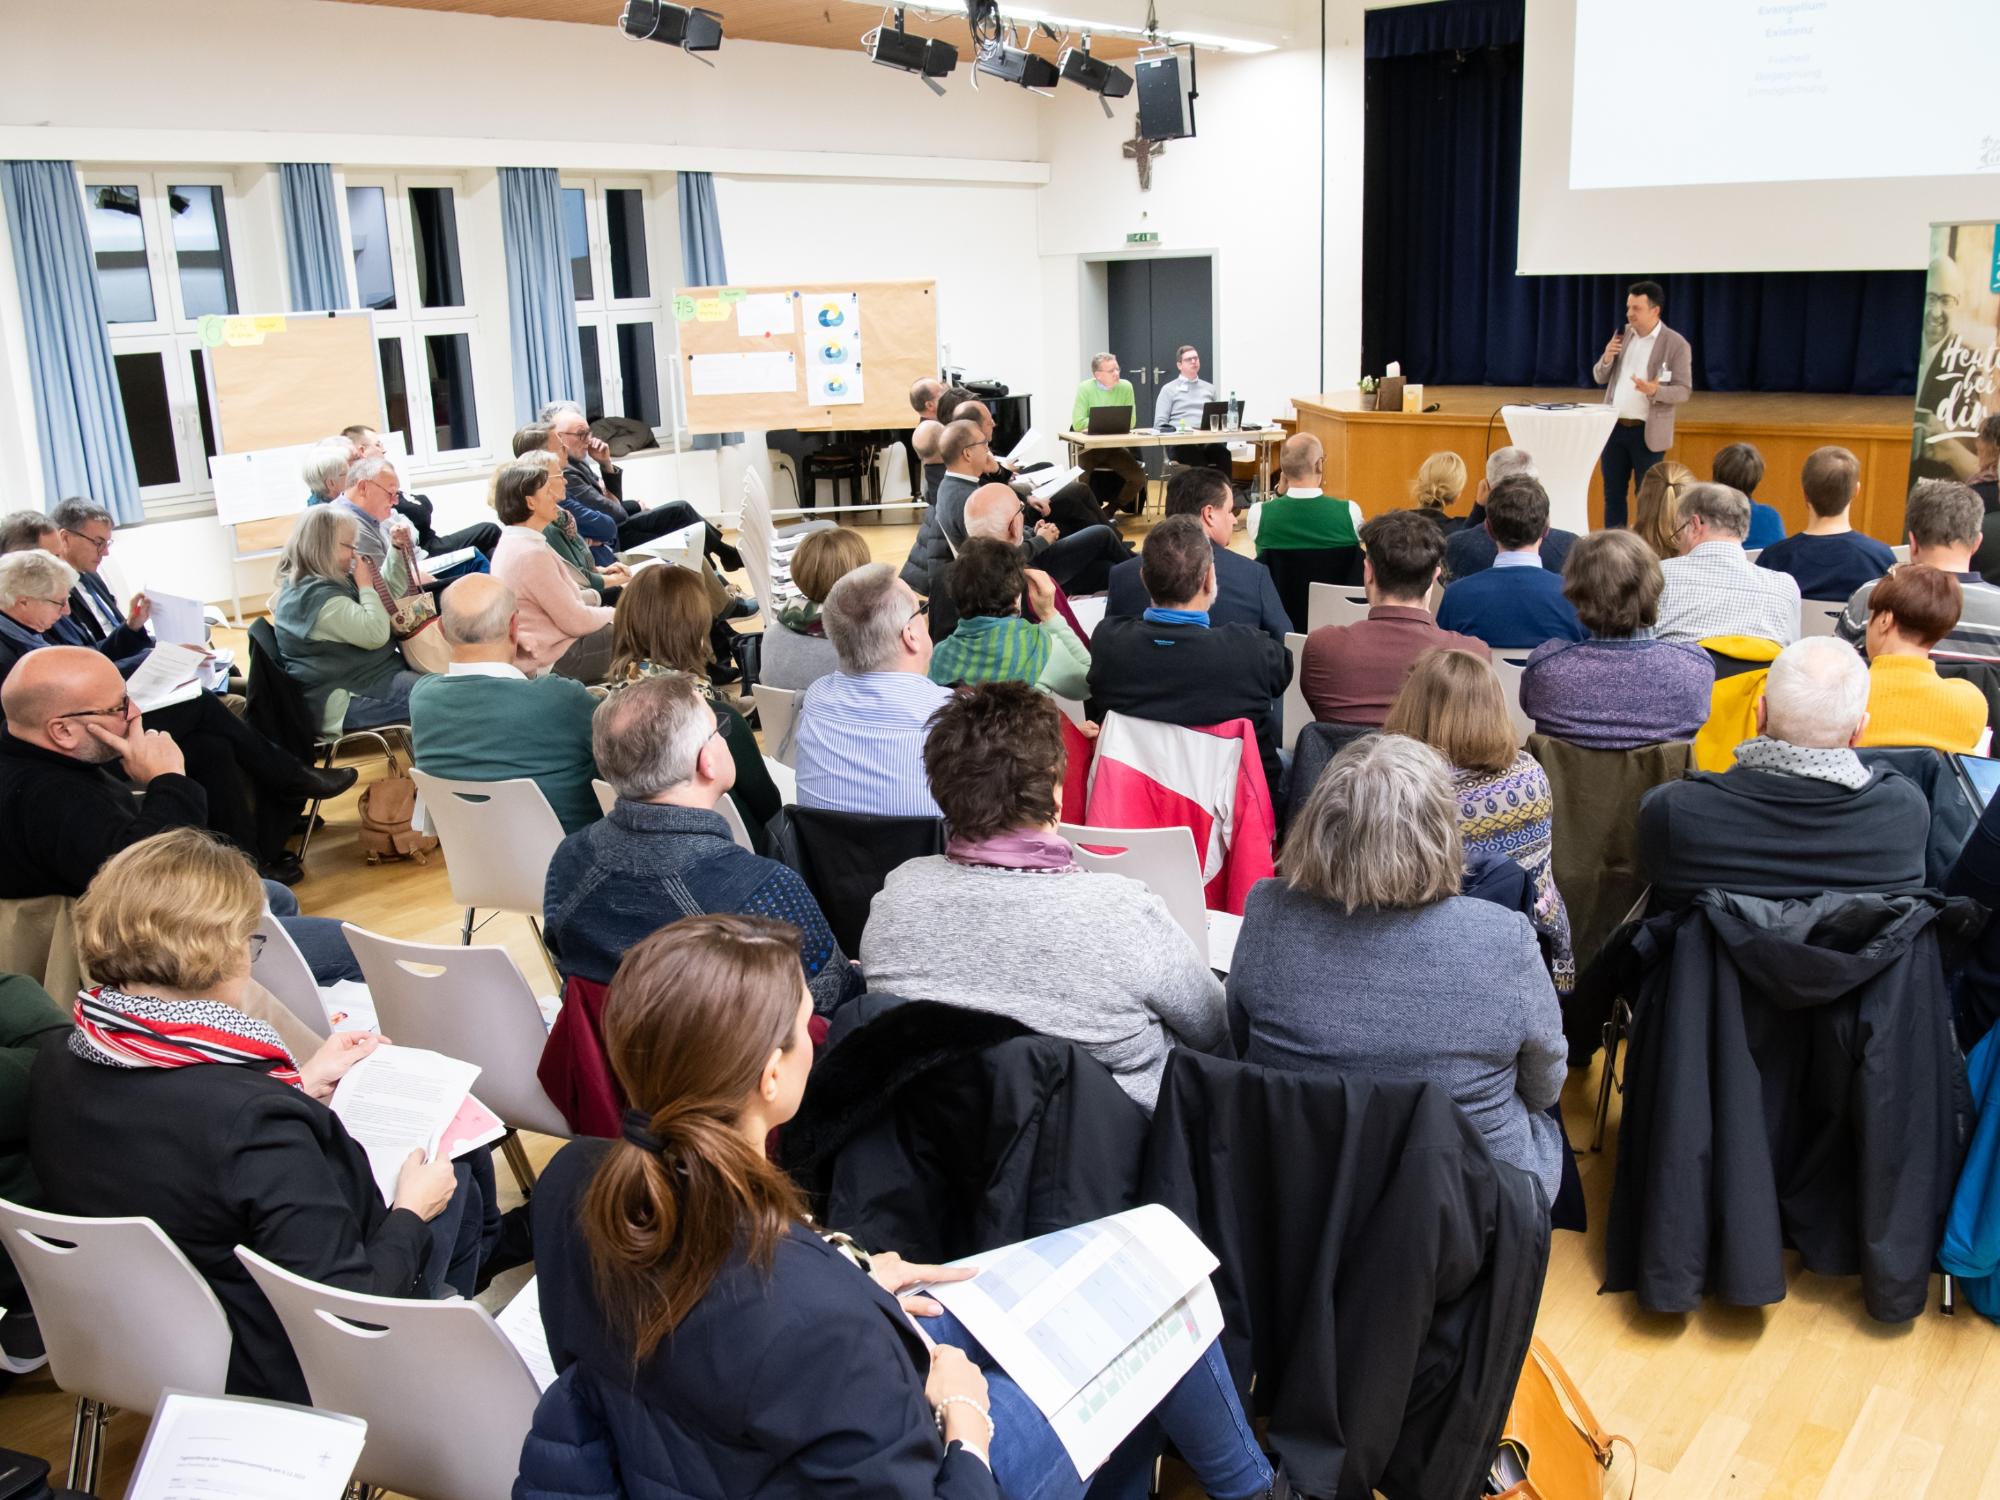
(607, 794)
(785, 779)
(473, 1004)
(607, 798)
(776, 710)
(498, 838)
(1162, 859)
(1902, 553)
(1071, 709)
(1298, 713)
(1820, 616)
(1509, 671)
(1335, 604)
(123, 1314)
(447, 1398)
(283, 970)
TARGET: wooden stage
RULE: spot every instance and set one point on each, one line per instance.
(1372, 457)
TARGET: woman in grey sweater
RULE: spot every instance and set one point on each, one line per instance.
(796, 651)
(1005, 921)
(1365, 959)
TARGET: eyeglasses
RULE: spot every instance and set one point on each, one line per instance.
(923, 608)
(122, 709)
(102, 544)
(257, 941)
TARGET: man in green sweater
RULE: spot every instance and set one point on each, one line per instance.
(486, 721)
(1305, 515)
(1105, 388)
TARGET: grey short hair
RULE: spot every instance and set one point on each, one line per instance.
(366, 469)
(34, 573)
(1816, 694)
(555, 409)
(22, 529)
(1944, 513)
(468, 627)
(647, 737)
(74, 512)
(1505, 463)
(313, 549)
(1725, 510)
(1099, 361)
(864, 616)
(1380, 830)
(325, 468)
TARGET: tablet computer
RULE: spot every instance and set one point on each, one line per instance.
(1981, 777)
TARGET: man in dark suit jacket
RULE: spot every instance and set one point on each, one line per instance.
(83, 539)
(578, 449)
(1244, 592)
(1173, 664)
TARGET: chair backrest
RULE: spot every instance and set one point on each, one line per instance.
(468, 1003)
(1298, 713)
(38, 938)
(1161, 859)
(123, 1314)
(607, 797)
(1820, 616)
(1294, 570)
(498, 838)
(1318, 744)
(273, 702)
(607, 794)
(1070, 708)
(1335, 604)
(776, 711)
(844, 858)
(1508, 670)
(283, 970)
(1901, 552)
(447, 1398)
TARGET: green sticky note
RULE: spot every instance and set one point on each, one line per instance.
(683, 310)
(211, 330)
(732, 294)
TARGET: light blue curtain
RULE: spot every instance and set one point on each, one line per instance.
(313, 249)
(701, 258)
(79, 417)
(541, 310)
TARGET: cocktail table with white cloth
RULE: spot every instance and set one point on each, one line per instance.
(1566, 442)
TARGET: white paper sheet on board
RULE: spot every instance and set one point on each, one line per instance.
(767, 315)
(833, 385)
(776, 372)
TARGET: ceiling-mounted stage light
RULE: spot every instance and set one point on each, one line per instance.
(927, 57)
(1012, 65)
(690, 28)
(1106, 80)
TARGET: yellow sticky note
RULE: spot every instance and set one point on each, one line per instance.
(237, 332)
(267, 323)
(711, 310)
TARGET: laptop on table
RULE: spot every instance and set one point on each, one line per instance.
(1109, 420)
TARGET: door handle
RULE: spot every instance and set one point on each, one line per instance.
(1158, 374)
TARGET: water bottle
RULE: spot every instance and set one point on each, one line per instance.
(1235, 412)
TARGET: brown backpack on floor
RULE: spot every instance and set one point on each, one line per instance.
(388, 827)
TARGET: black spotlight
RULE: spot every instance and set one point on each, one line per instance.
(927, 57)
(1106, 80)
(690, 28)
(1012, 65)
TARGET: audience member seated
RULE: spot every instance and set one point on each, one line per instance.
(1909, 612)
(1740, 467)
(1942, 522)
(1713, 589)
(1622, 687)
(381, 536)
(481, 536)
(796, 652)
(568, 543)
(1431, 986)
(333, 628)
(924, 436)
(1351, 673)
(1304, 516)
(1070, 509)
(662, 626)
(860, 731)
(1441, 479)
(1798, 814)
(83, 537)
(63, 814)
(1173, 664)
(664, 852)
(1106, 388)
(1471, 549)
(1455, 704)
(992, 642)
(486, 720)
(1829, 559)
(1244, 592)
(560, 631)
(593, 481)
(963, 451)
(1004, 920)
(22, 530)
(35, 588)
(1656, 511)
(1517, 603)
(701, 1325)
(254, 1156)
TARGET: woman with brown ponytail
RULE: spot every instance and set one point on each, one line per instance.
(712, 1343)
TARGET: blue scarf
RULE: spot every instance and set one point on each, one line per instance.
(1178, 616)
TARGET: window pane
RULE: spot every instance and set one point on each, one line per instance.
(593, 374)
(434, 222)
(368, 232)
(149, 417)
(396, 391)
(449, 356)
(625, 227)
(118, 241)
(201, 250)
(642, 376)
(576, 240)
(200, 365)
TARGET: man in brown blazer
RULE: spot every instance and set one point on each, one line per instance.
(1647, 370)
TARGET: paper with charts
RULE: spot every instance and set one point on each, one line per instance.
(1096, 1323)
(833, 349)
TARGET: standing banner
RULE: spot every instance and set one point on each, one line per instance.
(1958, 370)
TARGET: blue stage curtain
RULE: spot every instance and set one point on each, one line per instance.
(1441, 202)
(79, 415)
(541, 302)
(701, 259)
(313, 250)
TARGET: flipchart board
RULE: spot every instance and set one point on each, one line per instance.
(820, 356)
(291, 379)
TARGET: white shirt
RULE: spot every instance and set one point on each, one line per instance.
(1629, 400)
(485, 669)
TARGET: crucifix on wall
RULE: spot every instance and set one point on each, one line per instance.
(1142, 151)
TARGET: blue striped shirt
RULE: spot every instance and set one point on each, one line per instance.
(861, 743)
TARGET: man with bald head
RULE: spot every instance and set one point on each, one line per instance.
(1071, 507)
(484, 720)
(924, 436)
(73, 752)
(994, 511)
(1305, 516)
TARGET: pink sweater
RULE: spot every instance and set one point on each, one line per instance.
(552, 610)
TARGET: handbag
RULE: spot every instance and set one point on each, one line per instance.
(413, 617)
(425, 650)
(1552, 1447)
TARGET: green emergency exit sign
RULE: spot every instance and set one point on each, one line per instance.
(1143, 237)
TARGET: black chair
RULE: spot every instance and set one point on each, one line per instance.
(1296, 569)
(1318, 744)
(836, 463)
(844, 858)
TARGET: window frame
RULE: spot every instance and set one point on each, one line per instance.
(605, 313)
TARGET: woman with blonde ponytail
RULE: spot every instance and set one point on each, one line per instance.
(711, 1342)
(1441, 479)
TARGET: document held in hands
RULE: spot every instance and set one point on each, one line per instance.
(237, 1448)
(1096, 1323)
(169, 674)
(521, 1321)
(402, 1099)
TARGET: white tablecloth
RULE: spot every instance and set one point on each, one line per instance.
(1566, 444)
